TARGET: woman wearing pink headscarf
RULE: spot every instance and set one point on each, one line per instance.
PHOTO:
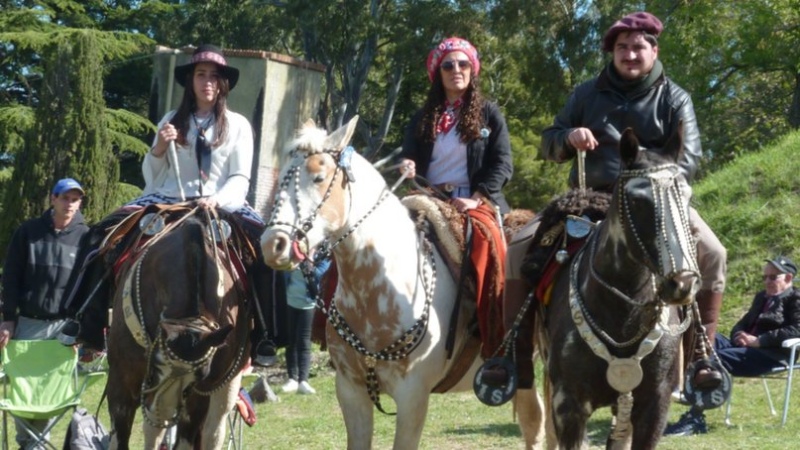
(459, 141)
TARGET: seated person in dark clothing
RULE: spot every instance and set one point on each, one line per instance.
(755, 344)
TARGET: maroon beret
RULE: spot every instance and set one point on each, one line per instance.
(638, 21)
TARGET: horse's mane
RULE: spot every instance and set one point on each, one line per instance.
(591, 204)
(309, 138)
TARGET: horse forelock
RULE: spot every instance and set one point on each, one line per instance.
(309, 139)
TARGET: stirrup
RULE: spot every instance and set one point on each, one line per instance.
(265, 354)
(68, 335)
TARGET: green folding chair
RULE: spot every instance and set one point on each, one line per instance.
(40, 381)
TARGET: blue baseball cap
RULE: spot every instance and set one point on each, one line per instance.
(67, 184)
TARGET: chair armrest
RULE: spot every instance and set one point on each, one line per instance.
(789, 343)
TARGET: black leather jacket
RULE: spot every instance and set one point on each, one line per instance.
(773, 323)
(488, 159)
(653, 114)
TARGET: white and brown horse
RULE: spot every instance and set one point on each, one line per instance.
(391, 310)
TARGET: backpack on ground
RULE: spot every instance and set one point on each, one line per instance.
(85, 432)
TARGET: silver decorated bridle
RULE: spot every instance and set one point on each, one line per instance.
(625, 374)
(404, 345)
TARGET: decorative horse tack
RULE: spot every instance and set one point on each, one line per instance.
(611, 330)
(179, 346)
(387, 323)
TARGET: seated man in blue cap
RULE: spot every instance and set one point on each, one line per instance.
(755, 344)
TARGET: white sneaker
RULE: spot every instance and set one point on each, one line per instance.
(290, 386)
(305, 388)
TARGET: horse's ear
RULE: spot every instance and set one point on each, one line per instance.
(341, 137)
(309, 123)
(674, 146)
(628, 148)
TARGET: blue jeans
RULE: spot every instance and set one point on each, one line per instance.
(747, 361)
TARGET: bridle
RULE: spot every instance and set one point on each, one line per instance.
(404, 345)
(624, 374)
(343, 158)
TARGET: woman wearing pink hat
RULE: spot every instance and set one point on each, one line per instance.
(459, 141)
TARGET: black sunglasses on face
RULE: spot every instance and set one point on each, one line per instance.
(463, 64)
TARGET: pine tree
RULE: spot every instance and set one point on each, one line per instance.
(69, 137)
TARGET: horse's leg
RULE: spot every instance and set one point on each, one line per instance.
(529, 408)
(221, 403)
(122, 405)
(152, 435)
(570, 418)
(357, 410)
(549, 419)
(412, 408)
(650, 412)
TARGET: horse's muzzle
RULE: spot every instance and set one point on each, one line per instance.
(679, 288)
(280, 251)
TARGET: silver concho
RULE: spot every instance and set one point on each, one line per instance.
(217, 226)
(624, 374)
(578, 227)
(151, 224)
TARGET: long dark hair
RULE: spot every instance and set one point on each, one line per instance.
(183, 116)
(470, 118)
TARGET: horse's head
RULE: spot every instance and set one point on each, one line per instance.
(653, 200)
(312, 201)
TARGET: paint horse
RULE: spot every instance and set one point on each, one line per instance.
(611, 329)
(180, 333)
(390, 313)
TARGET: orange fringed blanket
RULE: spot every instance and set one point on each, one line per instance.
(488, 257)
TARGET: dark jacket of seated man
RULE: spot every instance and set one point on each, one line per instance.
(774, 316)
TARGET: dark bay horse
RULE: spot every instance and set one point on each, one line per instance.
(179, 337)
(611, 331)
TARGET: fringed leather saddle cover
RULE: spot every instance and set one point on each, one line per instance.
(540, 266)
(445, 227)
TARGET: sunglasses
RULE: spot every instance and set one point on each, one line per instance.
(773, 277)
(463, 64)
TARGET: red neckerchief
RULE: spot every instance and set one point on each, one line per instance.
(448, 118)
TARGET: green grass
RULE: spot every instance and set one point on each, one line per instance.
(460, 421)
(752, 206)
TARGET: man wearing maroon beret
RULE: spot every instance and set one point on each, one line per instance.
(633, 90)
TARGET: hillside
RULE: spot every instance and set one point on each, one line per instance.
(752, 205)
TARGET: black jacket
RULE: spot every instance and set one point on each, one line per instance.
(780, 321)
(653, 114)
(38, 265)
(489, 160)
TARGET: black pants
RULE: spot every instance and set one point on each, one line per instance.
(298, 350)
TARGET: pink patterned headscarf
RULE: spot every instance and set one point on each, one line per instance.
(452, 44)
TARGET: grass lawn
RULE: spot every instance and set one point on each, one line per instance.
(460, 421)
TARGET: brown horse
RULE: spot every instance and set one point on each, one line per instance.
(611, 331)
(180, 335)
